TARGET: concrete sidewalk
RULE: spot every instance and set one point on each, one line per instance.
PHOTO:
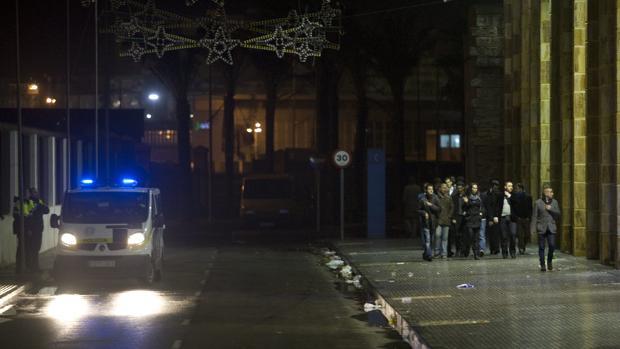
(512, 304)
(12, 285)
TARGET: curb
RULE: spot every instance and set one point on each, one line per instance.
(396, 320)
(13, 292)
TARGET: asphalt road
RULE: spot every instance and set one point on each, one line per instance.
(247, 289)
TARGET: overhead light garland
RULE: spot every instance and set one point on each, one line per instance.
(142, 29)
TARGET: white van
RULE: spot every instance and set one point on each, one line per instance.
(110, 231)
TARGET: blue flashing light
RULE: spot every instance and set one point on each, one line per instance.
(129, 182)
(87, 182)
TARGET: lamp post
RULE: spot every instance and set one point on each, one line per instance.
(255, 130)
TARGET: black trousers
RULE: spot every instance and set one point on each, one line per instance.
(32, 247)
(474, 239)
(493, 236)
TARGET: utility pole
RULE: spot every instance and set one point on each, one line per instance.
(20, 145)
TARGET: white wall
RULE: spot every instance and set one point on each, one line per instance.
(8, 241)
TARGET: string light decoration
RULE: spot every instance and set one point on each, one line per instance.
(142, 29)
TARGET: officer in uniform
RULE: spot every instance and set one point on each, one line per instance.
(33, 208)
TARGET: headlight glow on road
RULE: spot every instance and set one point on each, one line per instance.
(67, 308)
(137, 303)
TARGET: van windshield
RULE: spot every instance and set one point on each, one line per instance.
(105, 207)
(268, 188)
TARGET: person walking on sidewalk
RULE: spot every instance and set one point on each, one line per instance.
(33, 208)
(522, 212)
(428, 210)
(443, 223)
(475, 211)
(508, 222)
(546, 212)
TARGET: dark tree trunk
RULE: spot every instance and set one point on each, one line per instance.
(271, 89)
(184, 151)
(229, 137)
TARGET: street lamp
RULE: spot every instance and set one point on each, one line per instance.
(148, 116)
(33, 89)
(50, 100)
(153, 97)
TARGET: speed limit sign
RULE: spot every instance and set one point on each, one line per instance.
(342, 158)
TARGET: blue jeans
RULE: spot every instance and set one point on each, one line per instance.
(441, 240)
(483, 230)
(550, 238)
(426, 242)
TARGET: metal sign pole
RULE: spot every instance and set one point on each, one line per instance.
(342, 203)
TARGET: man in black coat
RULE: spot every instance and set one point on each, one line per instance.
(522, 204)
(428, 210)
(491, 200)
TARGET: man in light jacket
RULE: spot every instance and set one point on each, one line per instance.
(546, 212)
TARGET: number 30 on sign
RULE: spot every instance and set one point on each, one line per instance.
(342, 158)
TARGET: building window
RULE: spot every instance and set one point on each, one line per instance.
(450, 147)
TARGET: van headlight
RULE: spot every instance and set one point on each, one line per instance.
(68, 239)
(135, 239)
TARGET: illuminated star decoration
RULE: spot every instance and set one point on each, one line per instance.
(160, 42)
(279, 42)
(306, 43)
(220, 46)
(136, 51)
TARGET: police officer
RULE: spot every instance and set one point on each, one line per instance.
(33, 208)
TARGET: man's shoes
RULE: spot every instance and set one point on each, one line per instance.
(476, 256)
(513, 255)
(521, 251)
(450, 253)
(542, 268)
(550, 266)
(481, 254)
(504, 255)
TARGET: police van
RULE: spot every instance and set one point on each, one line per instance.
(112, 231)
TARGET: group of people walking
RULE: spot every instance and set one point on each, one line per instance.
(459, 216)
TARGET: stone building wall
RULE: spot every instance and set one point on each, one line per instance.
(484, 91)
(561, 113)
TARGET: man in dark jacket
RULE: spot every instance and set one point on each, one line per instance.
(508, 223)
(429, 214)
(546, 211)
(491, 200)
(522, 204)
(444, 221)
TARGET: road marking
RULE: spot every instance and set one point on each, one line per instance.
(423, 297)
(453, 322)
(177, 344)
(185, 322)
